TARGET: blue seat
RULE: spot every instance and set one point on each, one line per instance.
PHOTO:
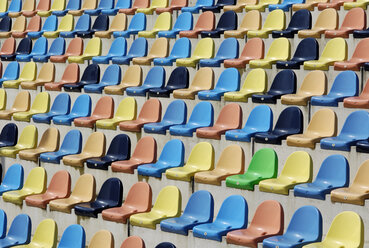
(83, 26)
(178, 80)
(40, 48)
(50, 24)
(361, 33)
(165, 245)
(285, 5)
(73, 236)
(176, 114)
(346, 84)
(56, 48)
(110, 196)
(184, 22)
(19, 232)
(307, 49)
(61, 106)
(229, 80)
(155, 78)
(355, 128)
(72, 5)
(283, 83)
(260, 120)
(13, 179)
(137, 49)
(101, 24)
(11, 72)
(218, 6)
(181, 49)
(232, 215)
(119, 149)
(199, 210)
(91, 75)
(171, 156)
(81, 108)
(111, 76)
(299, 21)
(121, 4)
(9, 135)
(5, 24)
(228, 21)
(228, 49)
(24, 48)
(118, 48)
(198, 6)
(137, 24)
(333, 173)
(3, 223)
(103, 5)
(305, 227)
(14, 6)
(290, 122)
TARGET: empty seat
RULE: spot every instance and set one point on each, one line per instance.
(45, 235)
(66, 25)
(163, 23)
(92, 49)
(155, 78)
(239, 5)
(103, 5)
(276, 20)
(308, 5)
(354, 20)
(24, 47)
(335, 4)
(181, 49)
(137, 24)
(70, 76)
(19, 25)
(81, 108)
(251, 21)
(61, 106)
(46, 75)
(204, 50)
(138, 49)
(178, 79)
(327, 20)
(28, 74)
(205, 22)
(75, 48)
(136, 5)
(119, 23)
(361, 101)
(198, 6)
(101, 24)
(253, 49)
(118, 48)
(280, 49)
(228, 49)
(300, 20)
(153, 6)
(7, 49)
(102, 238)
(285, 5)
(42, 5)
(82, 27)
(41, 104)
(19, 232)
(360, 4)
(27, 140)
(57, 48)
(133, 241)
(261, 5)
(21, 103)
(111, 76)
(131, 78)
(120, 4)
(13, 179)
(159, 49)
(73, 235)
(5, 24)
(184, 22)
(72, 5)
(49, 25)
(359, 57)
(91, 75)
(216, 8)
(227, 21)
(34, 25)
(57, 5)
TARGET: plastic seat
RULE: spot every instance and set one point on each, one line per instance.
(335, 4)
(81, 108)
(5, 25)
(276, 20)
(138, 49)
(253, 50)
(167, 205)
(19, 232)
(165, 245)
(61, 106)
(112, 76)
(216, 8)
(155, 78)
(358, 58)
(7, 49)
(205, 22)
(73, 235)
(110, 195)
(40, 105)
(153, 6)
(327, 20)
(70, 76)
(227, 21)
(174, 5)
(46, 75)
(228, 50)
(163, 23)
(19, 25)
(305, 227)
(83, 25)
(66, 25)
(133, 241)
(184, 22)
(50, 25)
(118, 24)
(136, 5)
(72, 144)
(46, 235)
(159, 49)
(12, 72)
(198, 6)
(239, 6)
(87, 5)
(132, 78)
(280, 49)
(358, 4)
(28, 74)
(285, 5)
(13, 180)
(42, 5)
(301, 20)
(101, 24)
(120, 4)
(92, 49)
(102, 238)
(171, 156)
(261, 5)
(354, 20)
(91, 75)
(103, 5)
(204, 50)
(71, 6)
(83, 191)
(75, 48)
(178, 79)
(308, 5)
(361, 101)
(24, 47)
(199, 210)
(3, 95)
(21, 103)
(137, 24)
(251, 21)
(56, 48)
(58, 5)
(34, 25)
(59, 187)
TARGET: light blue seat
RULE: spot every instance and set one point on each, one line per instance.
(305, 227)
(3, 224)
(333, 173)
(260, 120)
(198, 6)
(40, 48)
(232, 215)
(137, 24)
(112, 76)
(121, 4)
(175, 114)
(285, 5)
(74, 236)
(72, 144)
(202, 116)
(14, 6)
(137, 49)
(118, 48)
(181, 49)
(81, 108)
(103, 4)
(199, 210)
(13, 179)
(155, 78)
(184, 22)
(11, 72)
(346, 84)
(229, 80)
(83, 25)
(61, 106)
(227, 50)
(19, 232)
(56, 48)
(50, 24)
(72, 5)
(171, 156)
(355, 128)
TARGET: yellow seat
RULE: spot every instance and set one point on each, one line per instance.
(40, 105)
(359, 3)
(153, 6)
(159, 49)
(34, 184)
(297, 169)
(335, 50)
(46, 235)
(280, 49)
(26, 140)
(162, 23)
(276, 20)
(46, 75)
(239, 7)
(250, 22)
(2, 99)
(49, 143)
(19, 25)
(66, 25)
(28, 5)
(132, 78)
(167, 205)
(262, 5)
(204, 50)
(57, 5)
(346, 230)
(326, 20)
(309, 5)
(3, 5)
(94, 147)
(87, 4)
(119, 23)
(102, 239)
(28, 73)
(93, 49)
(84, 191)
(200, 159)
(314, 84)
(126, 111)
(21, 103)
(256, 82)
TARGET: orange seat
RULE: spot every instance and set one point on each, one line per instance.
(137, 4)
(253, 49)
(34, 25)
(8, 47)
(21, 104)
(70, 76)
(355, 19)
(334, 4)
(326, 20)
(361, 101)
(206, 22)
(359, 57)
(75, 48)
(43, 5)
(133, 242)
(174, 5)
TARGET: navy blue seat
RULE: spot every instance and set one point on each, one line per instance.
(218, 6)
(5, 24)
(73, 236)
(283, 83)
(19, 232)
(111, 76)
(121, 4)
(61, 106)
(72, 5)
(40, 48)
(56, 48)
(299, 21)
(178, 79)
(11, 72)
(81, 108)
(228, 49)
(165, 245)
(83, 26)
(50, 25)
(137, 24)
(290, 122)
(119, 149)
(285, 5)
(181, 49)
(103, 5)
(184, 22)
(110, 196)
(91, 75)
(361, 33)
(138, 49)
(118, 48)
(228, 21)
(101, 24)
(155, 78)
(24, 48)
(198, 6)
(13, 179)
(14, 6)
(9, 135)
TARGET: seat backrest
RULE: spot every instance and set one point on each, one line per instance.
(229, 80)
(184, 21)
(354, 123)
(169, 201)
(34, 24)
(276, 20)
(36, 180)
(127, 108)
(50, 24)
(268, 218)
(11, 71)
(323, 123)
(227, 21)
(19, 24)
(335, 49)
(138, 21)
(8, 46)
(231, 160)
(40, 47)
(28, 137)
(307, 49)
(57, 47)
(283, 83)
(260, 118)
(120, 146)
(119, 22)
(228, 48)
(233, 211)
(73, 5)
(22, 101)
(106, 4)
(159, 3)
(72, 142)
(298, 167)
(256, 80)
(5, 23)
(314, 83)
(50, 139)
(163, 21)
(206, 21)
(159, 48)
(71, 73)
(150, 111)
(279, 49)
(66, 23)
(145, 149)
(202, 113)
(254, 48)
(201, 157)
(24, 46)
(84, 188)
(41, 104)
(200, 206)
(58, 5)
(133, 241)
(138, 47)
(251, 20)
(20, 229)
(181, 48)
(133, 75)
(61, 104)
(93, 47)
(334, 172)
(60, 184)
(102, 238)
(91, 74)
(203, 79)
(361, 50)
(46, 234)
(178, 78)
(139, 195)
(111, 192)
(73, 235)
(176, 112)
(89, 4)
(101, 23)
(104, 107)
(204, 3)
(9, 134)
(290, 120)
(327, 19)
(123, 4)
(82, 105)
(155, 77)
(230, 117)
(95, 144)
(28, 5)
(15, 6)
(83, 23)
(204, 49)
(43, 5)
(354, 19)
(173, 153)
(29, 71)
(112, 75)
(264, 163)
(75, 47)
(301, 19)
(13, 177)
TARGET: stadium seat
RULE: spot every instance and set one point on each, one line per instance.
(300, 20)
(14, 7)
(239, 5)
(43, 5)
(111, 76)
(159, 49)
(70, 76)
(174, 5)
(136, 5)
(335, 4)
(359, 57)
(155, 78)
(58, 5)
(132, 78)
(27, 140)
(56, 48)
(73, 235)
(228, 49)
(92, 49)
(163, 23)
(72, 5)
(101, 24)
(167, 205)
(49, 25)
(138, 49)
(137, 24)
(45, 235)
(153, 6)
(91, 75)
(28, 74)
(178, 79)
(253, 50)
(290, 122)
(205, 22)
(21, 103)
(204, 50)
(268, 221)
(308, 5)
(285, 5)
(83, 26)
(3, 8)
(19, 25)
(34, 25)
(326, 20)
(184, 22)
(102, 238)
(361, 101)
(103, 5)
(171, 156)
(75, 48)
(228, 21)
(181, 49)
(357, 4)
(120, 4)
(87, 5)
(19, 232)
(24, 47)
(216, 8)
(13, 179)
(200, 4)
(66, 25)
(276, 20)
(81, 108)
(280, 49)
(119, 23)
(61, 106)
(40, 105)
(8, 49)
(354, 20)
(133, 241)
(3, 96)
(262, 5)
(251, 21)
(5, 24)
(46, 75)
